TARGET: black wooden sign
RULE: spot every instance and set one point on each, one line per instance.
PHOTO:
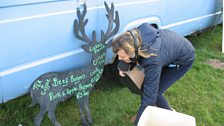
(54, 87)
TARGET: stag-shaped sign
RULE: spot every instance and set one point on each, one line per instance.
(52, 88)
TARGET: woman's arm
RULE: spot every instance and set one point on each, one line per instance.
(152, 67)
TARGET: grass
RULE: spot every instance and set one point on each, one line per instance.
(199, 93)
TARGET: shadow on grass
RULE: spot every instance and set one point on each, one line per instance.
(105, 84)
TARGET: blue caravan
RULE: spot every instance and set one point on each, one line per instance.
(36, 36)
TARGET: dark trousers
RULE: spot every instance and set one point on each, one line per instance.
(169, 76)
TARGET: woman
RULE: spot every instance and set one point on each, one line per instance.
(155, 50)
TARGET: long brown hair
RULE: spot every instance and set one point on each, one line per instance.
(125, 41)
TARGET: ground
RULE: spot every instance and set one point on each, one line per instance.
(216, 63)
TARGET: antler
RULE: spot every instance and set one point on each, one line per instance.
(110, 17)
(79, 26)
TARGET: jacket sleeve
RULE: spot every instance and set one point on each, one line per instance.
(152, 69)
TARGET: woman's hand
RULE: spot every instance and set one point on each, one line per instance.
(122, 73)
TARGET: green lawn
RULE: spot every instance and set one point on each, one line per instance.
(199, 93)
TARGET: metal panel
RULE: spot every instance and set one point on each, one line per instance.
(12, 3)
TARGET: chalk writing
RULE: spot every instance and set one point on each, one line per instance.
(81, 94)
(60, 82)
(96, 74)
(55, 96)
(97, 48)
(44, 86)
(83, 90)
(99, 60)
(96, 71)
(85, 86)
(77, 79)
(62, 93)
(37, 85)
(71, 91)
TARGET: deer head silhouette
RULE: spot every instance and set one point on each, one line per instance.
(97, 49)
(54, 87)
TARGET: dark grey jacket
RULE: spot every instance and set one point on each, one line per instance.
(170, 48)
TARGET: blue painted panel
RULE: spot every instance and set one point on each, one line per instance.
(40, 37)
(137, 10)
(185, 10)
(186, 29)
(11, 3)
(210, 21)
